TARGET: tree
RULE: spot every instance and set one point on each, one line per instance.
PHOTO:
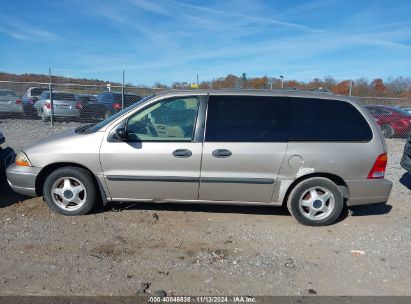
(292, 84)
(342, 88)
(378, 87)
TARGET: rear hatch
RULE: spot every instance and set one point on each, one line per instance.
(65, 104)
(8, 100)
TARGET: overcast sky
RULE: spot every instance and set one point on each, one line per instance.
(170, 40)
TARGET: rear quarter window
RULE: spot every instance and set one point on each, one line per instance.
(327, 120)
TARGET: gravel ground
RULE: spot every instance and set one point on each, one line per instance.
(202, 250)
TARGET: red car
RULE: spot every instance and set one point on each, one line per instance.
(394, 122)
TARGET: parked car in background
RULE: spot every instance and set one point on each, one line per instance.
(112, 101)
(6, 158)
(393, 121)
(30, 98)
(65, 106)
(10, 103)
(406, 157)
(407, 110)
(261, 148)
(90, 108)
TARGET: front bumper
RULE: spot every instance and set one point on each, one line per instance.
(368, 191)
(6, 159)
(22, 179)
(406, 158)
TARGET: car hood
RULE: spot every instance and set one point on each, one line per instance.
(63, 147)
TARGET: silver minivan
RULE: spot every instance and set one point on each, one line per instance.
(313, 152)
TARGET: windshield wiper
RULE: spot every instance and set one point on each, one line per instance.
(81, 129)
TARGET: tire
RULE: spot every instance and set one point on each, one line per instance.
(75, 197)
(387, 131)
(322, 211)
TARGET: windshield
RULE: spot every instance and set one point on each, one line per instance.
(108, 120)
(37, 91)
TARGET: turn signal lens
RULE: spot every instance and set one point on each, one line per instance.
(378, 170)
(22, 160)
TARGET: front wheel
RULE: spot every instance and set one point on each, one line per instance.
(70, 191)
(316, 202)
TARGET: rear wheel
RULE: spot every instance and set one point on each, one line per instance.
(70, 191)
(315, 202)
(387, 131)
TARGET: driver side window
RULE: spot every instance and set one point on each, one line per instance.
(167, 120)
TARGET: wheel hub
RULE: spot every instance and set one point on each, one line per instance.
(68, 194)
(317, 204)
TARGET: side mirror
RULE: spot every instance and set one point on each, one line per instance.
(122, 134)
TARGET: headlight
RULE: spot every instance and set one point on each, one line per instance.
(22, 160)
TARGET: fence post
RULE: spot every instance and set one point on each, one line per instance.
(51, 100)
(122, 93)
(350, 91)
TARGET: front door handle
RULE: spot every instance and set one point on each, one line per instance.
(222, 153)
(182, 153)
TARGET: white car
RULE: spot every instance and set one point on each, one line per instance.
(10, 103)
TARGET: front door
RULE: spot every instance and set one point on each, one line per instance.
(161, 158)
(245, 144)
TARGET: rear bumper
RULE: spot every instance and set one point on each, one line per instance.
(23, 179)
(369, 191)
(12, 110)
(57, 113)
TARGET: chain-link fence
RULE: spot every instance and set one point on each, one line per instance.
(81, 103)
(56, 102)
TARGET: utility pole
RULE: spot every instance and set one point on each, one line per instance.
(282, 81)
(122, 93)
(51, 100)
(197, 81)
(350, 92)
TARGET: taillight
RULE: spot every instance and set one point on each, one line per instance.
(116, 106)
(405, 121)
(18, 101)
(378, 170)
(78, 105)
(47, 105)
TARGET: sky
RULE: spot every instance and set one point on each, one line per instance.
(173, 40)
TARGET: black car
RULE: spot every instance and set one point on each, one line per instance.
(6, 158)
(406, 158)
(90, 109)
(113, 101)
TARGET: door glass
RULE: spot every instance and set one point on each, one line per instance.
(167, 120)
(246, 119)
